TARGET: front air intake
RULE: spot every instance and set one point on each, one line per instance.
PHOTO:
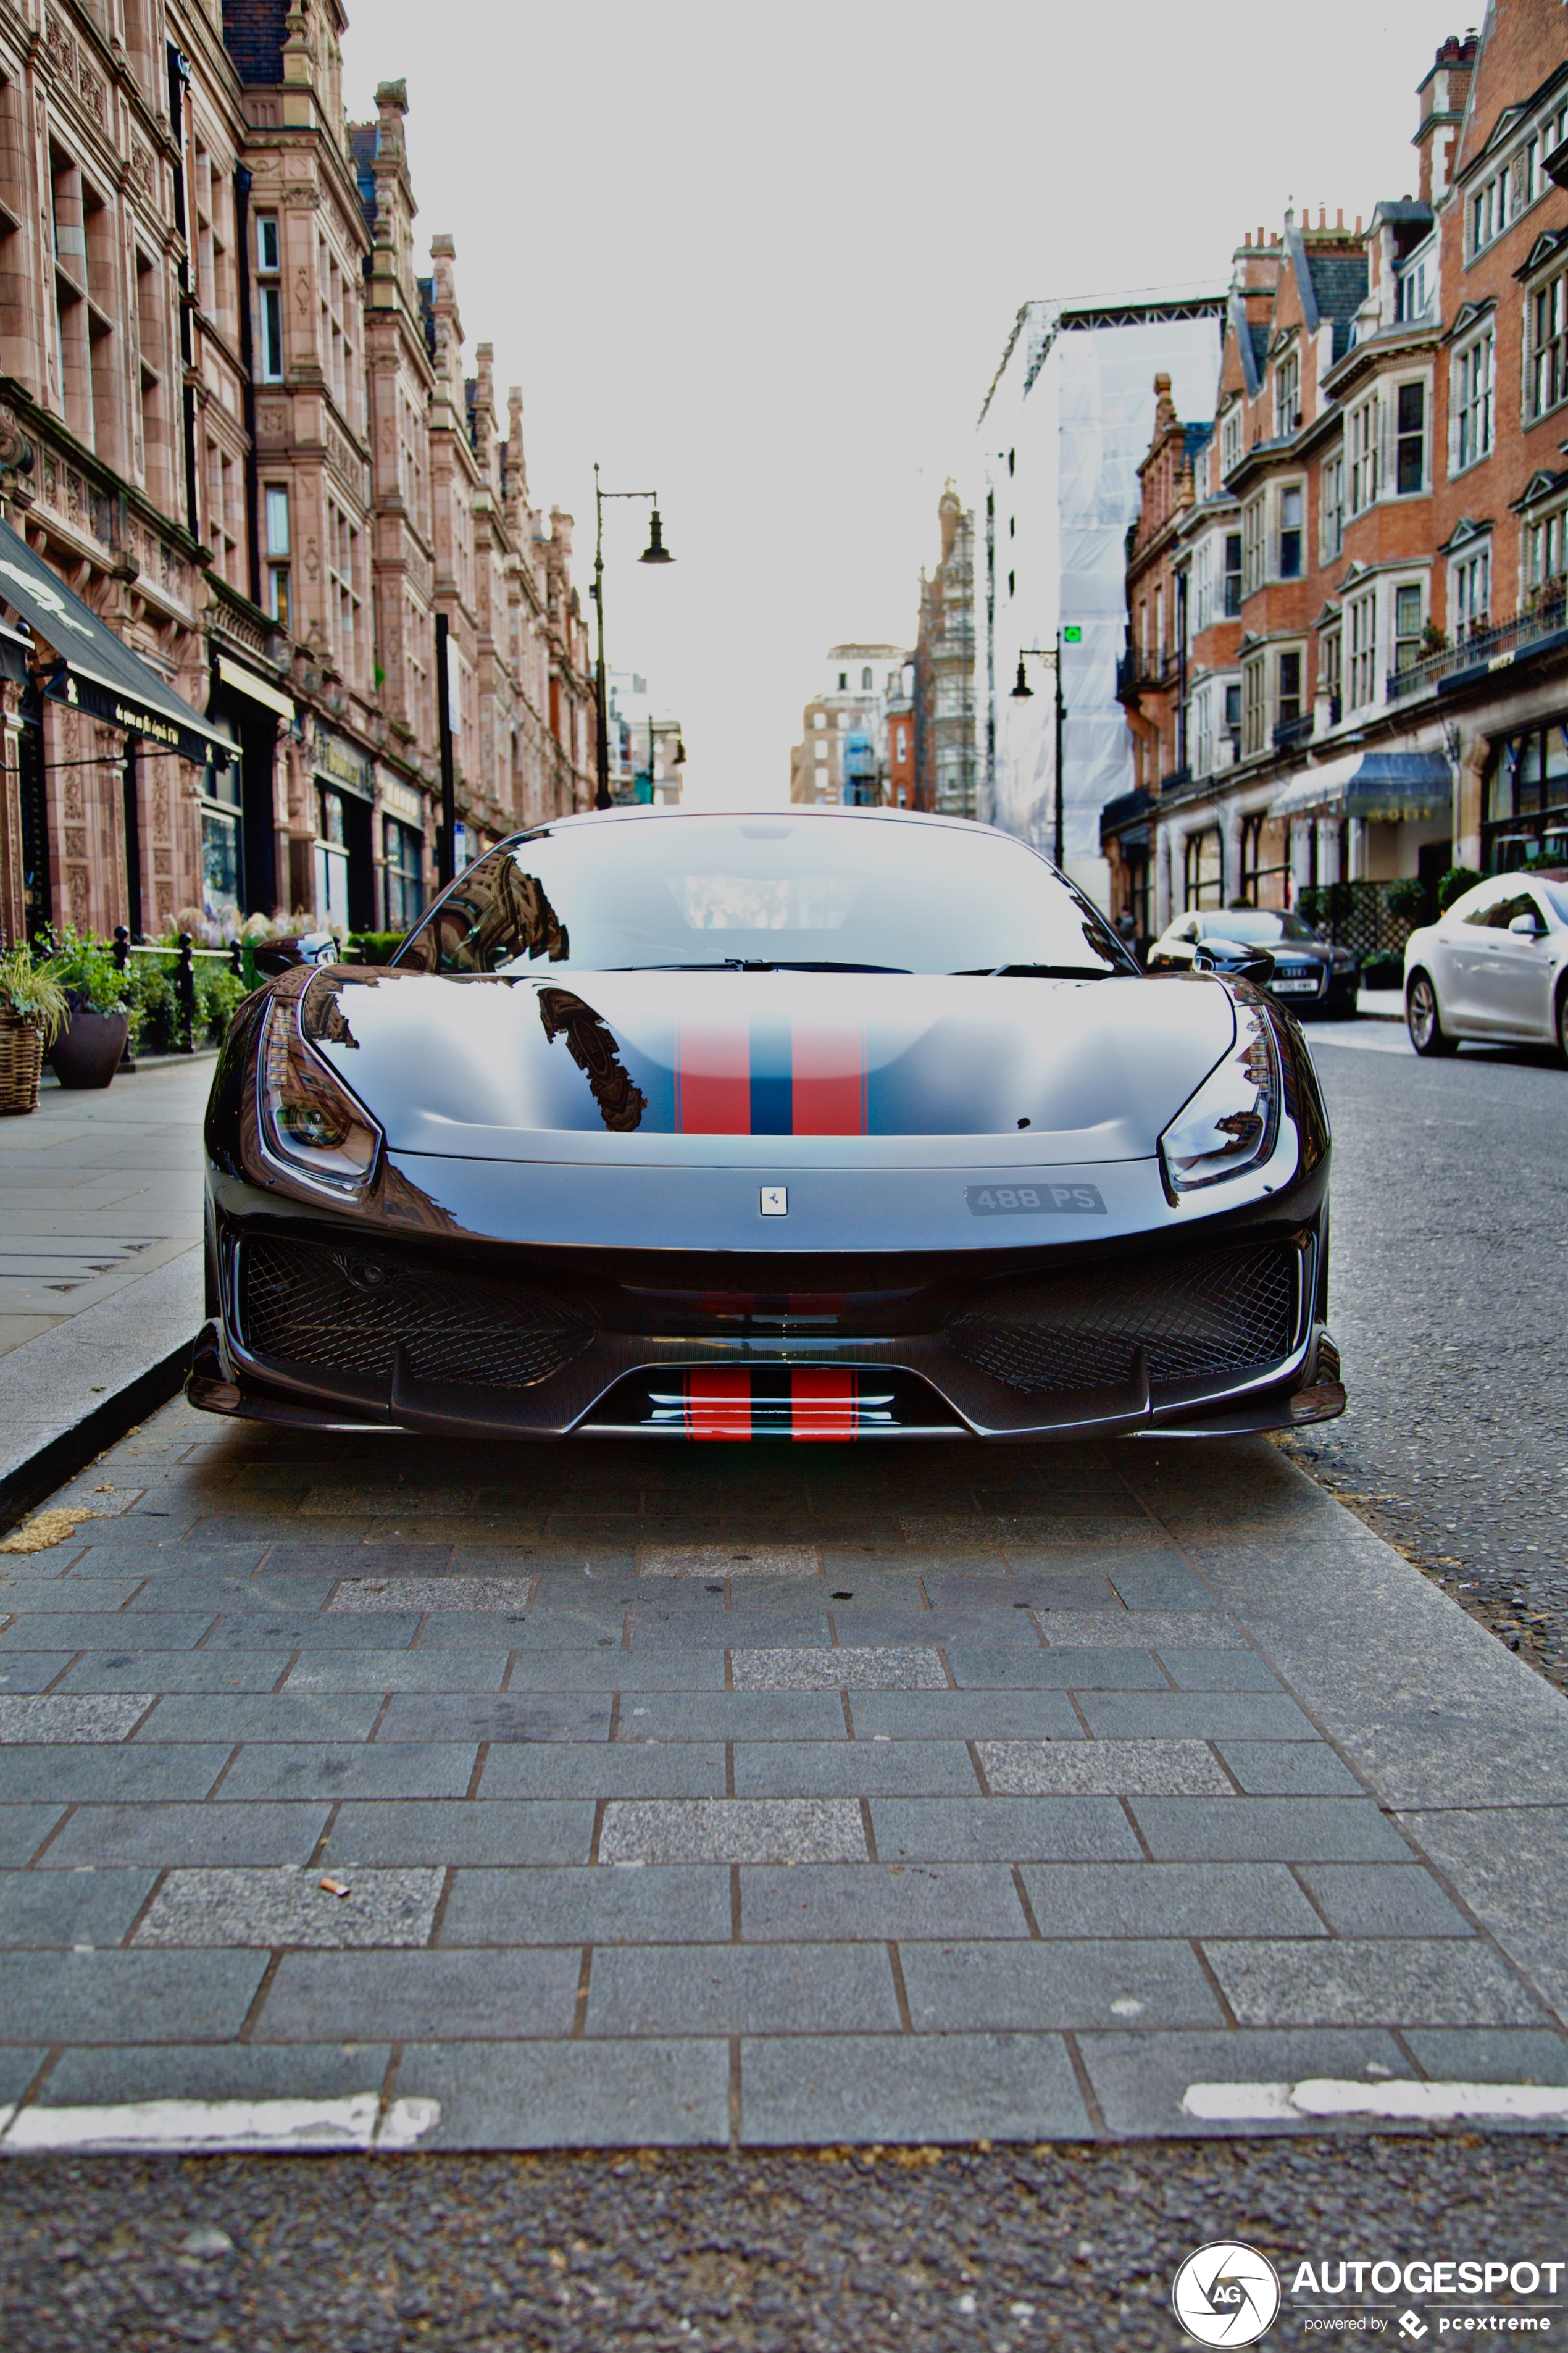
(352, 1307)
(1225, 1312)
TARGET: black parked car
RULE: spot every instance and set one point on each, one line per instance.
(1313, 973)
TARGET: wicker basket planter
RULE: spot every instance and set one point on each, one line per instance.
(21, 1060)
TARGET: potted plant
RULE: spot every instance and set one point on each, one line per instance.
(33, 1011)
(90, 1044)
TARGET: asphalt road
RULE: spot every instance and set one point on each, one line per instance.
(1450, 1256)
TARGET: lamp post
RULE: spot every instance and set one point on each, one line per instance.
(655, 551)
(1024, 692)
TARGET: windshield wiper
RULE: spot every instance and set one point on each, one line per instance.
(1032, 972)
(764, 964)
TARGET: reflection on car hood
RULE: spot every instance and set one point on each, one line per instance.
(491, 1067)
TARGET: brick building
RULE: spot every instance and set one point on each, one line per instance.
(946, 767)
(842, 756)
(1360, 666)
(229, 418)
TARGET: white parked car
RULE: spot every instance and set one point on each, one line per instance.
(1495, 967)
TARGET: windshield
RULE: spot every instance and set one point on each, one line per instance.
(1556, 897)
(1256, 923)
(706, 892)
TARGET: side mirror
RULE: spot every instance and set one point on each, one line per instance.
(1528, 927)
(273, 956)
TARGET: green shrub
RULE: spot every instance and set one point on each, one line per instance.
(372, 948)
(84, 965)
(1454, 883)
(1407, 899)
(218, 992)
(30, 989)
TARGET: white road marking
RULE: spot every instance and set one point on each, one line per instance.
(1410, 2102)
(221, 2124)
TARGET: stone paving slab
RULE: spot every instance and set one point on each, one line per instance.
(682, 1801)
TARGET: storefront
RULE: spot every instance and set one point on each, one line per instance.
(344, 865)
(402, 814)
(60, 652)
(253, 708)
(1526, 805)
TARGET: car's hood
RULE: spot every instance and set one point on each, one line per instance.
(493, 1068)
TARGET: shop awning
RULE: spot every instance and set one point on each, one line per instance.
(96, 672)
(259, 690)
(1383, 787)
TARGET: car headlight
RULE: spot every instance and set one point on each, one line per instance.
(1231, 1123)
(311, 1124)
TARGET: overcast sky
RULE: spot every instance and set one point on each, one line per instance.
(765, 261)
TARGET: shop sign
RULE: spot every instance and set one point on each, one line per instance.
(340, 763)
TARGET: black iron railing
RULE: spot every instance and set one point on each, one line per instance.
(1485, 645)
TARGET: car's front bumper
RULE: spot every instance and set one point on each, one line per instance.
(998, 1338)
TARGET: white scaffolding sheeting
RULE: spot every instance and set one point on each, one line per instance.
(1099, 381)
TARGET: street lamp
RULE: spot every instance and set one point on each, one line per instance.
(655, 551)
(1024, 692)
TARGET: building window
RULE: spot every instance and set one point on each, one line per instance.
(1230, 439)
(1254, 707)
(1489, 212)
(1526, 812)
(1287, 395)
(865, 681)
(1202, 725)
(1290, 534)
(1407, 626)
(1548, 376)
(1252, 545)
(405, 862)
(1418, 284)
(1203, 869)
(1473, 381)
(1265, 860)
(220, 846)
(1329, 672)
(1546, 546)
(1331, 491)
(843, 681)
(1289, 710)
(270, 296)
(1363, 651)
(1362, 439)
(1232, 574)
(1410, 440)
(1233, 720)
(1470, 593)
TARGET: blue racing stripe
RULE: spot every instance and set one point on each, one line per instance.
(771, 1093)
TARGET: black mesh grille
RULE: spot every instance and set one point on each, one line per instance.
(352, 1308)
(1226, 1311)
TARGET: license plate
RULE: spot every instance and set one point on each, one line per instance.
(1294, 987)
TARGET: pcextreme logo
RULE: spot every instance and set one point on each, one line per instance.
(1226, 2294)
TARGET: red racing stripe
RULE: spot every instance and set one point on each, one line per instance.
(828, 1064)
(719, 1405)
(713, 1079)
(822, 1405)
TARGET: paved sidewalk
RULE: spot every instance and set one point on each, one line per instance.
(100, 1279)
(782, 1795)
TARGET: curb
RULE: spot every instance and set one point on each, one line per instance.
(71, 1450)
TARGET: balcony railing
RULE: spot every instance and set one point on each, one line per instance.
(1124, 808)
(1293, 731)
(1487, 646)
(1137, 668)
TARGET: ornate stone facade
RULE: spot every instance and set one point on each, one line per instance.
(234, 420)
